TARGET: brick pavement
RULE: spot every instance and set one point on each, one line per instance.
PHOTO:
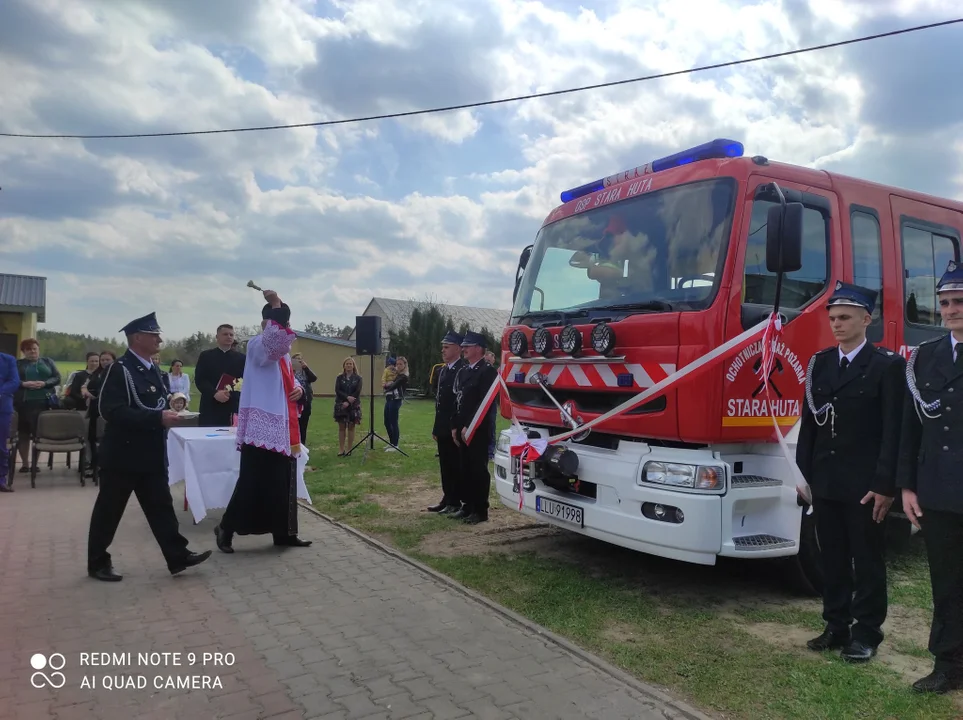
(338, 630)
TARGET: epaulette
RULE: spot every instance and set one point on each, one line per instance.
(934, 340)
(883, 351)
(825, 350)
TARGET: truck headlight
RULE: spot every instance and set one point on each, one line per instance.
(504, 443)
(697, 477)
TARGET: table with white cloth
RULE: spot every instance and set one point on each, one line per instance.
(207, 461)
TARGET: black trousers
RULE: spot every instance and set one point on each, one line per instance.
(154, 496)
(943, 535)
(477, 479)
(303, 423)
(853, 553)
(452, 472)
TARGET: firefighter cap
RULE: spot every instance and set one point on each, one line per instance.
(952, 279)
(854, 296)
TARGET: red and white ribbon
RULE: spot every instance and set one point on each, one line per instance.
(482, 410)
(770, 329)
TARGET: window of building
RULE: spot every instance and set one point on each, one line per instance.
(799, 287)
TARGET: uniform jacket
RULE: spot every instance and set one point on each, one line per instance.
(445, 399)
(868, 402)
(931, 450)
(9, 382)
(471, 385)
(131, 402)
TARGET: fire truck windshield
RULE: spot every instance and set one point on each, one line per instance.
(657, 251)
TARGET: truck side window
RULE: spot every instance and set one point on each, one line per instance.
(868, 265)
(925, 257)
(798, 288)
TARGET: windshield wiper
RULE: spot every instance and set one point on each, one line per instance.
(660, 305)
(562, 314)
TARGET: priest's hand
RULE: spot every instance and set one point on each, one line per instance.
(272, 299)
(296, 393)
(169, 418)
(222, 396)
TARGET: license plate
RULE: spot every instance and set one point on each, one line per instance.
(560, 511)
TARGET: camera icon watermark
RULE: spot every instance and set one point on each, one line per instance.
(55, 662)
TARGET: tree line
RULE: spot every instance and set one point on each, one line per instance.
(73, 347)
(420, 341)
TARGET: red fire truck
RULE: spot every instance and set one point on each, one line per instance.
(639, 274)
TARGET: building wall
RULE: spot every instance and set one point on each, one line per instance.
(325, 361)
(21, 325)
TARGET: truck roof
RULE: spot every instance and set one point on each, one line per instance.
(742, 166)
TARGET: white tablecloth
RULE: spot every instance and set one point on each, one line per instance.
(207, 461)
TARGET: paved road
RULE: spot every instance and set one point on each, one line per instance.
(338, 630)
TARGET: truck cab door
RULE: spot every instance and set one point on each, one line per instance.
(746, 408)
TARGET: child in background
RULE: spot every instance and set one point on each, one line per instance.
(178, 402)
(390, 374)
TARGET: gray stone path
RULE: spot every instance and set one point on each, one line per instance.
(338, 630)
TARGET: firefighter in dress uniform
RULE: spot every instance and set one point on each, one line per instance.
(133, 455)
(931, 477)
(848, 450)
(449, 451)
(471, 385)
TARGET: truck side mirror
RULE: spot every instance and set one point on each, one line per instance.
(520, 270)
(784, 228)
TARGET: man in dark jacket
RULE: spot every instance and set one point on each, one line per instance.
(931, 477)
(133, 455)
(847, 450)
(449, 455)
(471, 386)
(218, 405)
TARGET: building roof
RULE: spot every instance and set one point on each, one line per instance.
(322, 338)
(396, 313)
(23, 293)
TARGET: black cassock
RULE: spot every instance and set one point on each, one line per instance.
(265, 496)
(211, 365)
(849, 448)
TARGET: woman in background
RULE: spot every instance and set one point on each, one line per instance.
(180, 381)
(39, 378)
(347, 404)
(394, 397)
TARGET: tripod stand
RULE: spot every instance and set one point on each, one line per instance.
(371, 434)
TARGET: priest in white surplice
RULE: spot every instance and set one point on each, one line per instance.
(268, 436)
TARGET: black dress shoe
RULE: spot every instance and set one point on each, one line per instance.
(189, 560)
(460, 514)
(223, 540)
(938, 682)
(829, 640)
(858, 652)
(440, 507)
(106, 574)
(293, 541)
(6, 488)
(476, 518)
(450, 510)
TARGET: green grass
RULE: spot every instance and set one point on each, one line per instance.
(682, 626)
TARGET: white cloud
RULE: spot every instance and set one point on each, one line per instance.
(438, 204)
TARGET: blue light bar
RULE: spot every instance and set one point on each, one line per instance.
(719, 148)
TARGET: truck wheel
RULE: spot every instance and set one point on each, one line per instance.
(805, 571)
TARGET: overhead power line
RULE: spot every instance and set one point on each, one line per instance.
(502, 101)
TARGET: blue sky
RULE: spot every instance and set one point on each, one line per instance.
(438, 205)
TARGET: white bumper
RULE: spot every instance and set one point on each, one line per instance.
(754, 519)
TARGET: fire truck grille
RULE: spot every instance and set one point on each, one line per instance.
(752, 543)
(587, 401)
(748, 481)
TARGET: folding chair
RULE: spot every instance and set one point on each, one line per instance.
(59, 431)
